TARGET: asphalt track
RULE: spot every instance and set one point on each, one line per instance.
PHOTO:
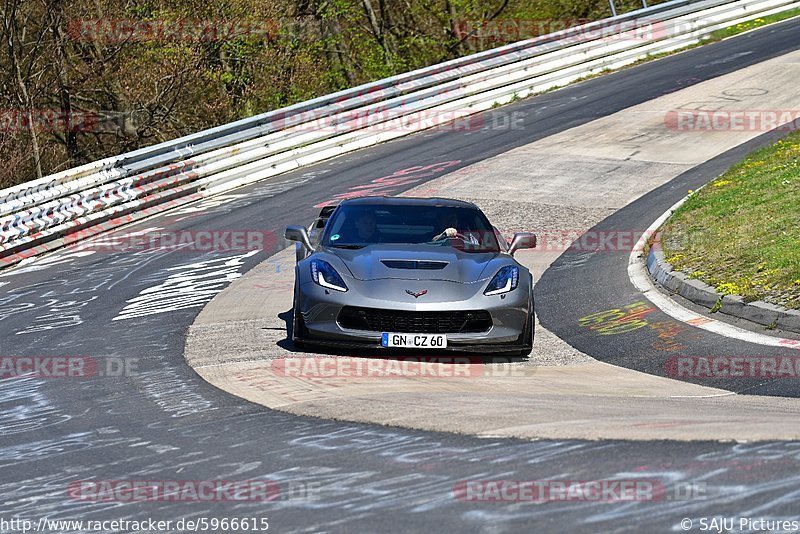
(599, 281)
(162, 422)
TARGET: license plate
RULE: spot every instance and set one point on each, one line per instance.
(414, 341)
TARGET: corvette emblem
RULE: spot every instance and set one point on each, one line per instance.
(416, 295)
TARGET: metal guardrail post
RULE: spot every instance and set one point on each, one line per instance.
(37, 216)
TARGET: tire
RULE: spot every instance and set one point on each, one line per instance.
(527, 334)
(298, 326)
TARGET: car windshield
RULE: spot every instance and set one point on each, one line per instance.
(360, 225)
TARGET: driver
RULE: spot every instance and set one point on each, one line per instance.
(367, 228)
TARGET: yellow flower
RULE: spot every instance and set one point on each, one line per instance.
(728, 288)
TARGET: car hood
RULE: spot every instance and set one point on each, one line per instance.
(415, 262)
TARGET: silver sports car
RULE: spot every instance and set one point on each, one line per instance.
(419, 273)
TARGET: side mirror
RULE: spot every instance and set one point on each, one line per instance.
(299, 234)
(522, 240)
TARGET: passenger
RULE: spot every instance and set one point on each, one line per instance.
(450, 224)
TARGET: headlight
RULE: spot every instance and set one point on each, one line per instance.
(325, 275)
(504, 281)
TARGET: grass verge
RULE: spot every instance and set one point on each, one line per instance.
(741, 232)
(736, 29)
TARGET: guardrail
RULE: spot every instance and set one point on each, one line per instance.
(57, 210)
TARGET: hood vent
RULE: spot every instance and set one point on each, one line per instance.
(415, 264)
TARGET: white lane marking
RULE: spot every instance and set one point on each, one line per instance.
(39, 263)
(703, 396)
(637, 272)
(140, 267)
(190, 286)
(204, 205)
(60, 314)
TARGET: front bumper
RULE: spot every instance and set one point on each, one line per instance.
(320, 310)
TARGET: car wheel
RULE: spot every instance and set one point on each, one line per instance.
(298, 326)
(527, 335)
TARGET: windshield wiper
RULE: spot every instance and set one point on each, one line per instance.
(348, 246)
